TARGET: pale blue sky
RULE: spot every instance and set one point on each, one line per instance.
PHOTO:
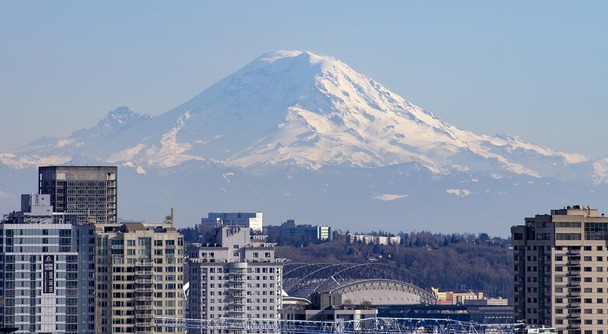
(537, 69)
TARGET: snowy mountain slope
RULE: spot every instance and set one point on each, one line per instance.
(298, 135)
(298, 108)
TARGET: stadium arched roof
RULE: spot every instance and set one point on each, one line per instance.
(377, 283)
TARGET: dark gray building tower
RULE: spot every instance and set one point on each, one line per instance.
(89, 190)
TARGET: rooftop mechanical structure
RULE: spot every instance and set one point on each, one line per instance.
(374, 283)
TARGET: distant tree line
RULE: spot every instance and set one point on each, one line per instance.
(453, 262)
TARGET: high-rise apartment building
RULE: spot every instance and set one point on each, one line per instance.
(234, 275)
(139, 277)
(90, 191)
(560, 270)
(46, 270)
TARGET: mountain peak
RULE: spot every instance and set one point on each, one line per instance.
(291, 107)
(115, 122)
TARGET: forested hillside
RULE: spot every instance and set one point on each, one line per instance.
(449, 262)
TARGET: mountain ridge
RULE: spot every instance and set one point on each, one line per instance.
(299, 107)
(299, 135)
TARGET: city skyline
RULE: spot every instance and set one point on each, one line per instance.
(536, 71)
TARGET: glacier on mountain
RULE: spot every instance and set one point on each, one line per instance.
(293, 113)
(292, 107)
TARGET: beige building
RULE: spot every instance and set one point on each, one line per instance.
(560, 266)
(139, 277)
(456, 298)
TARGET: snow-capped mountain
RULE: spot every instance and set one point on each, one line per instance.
(292, 112)
(291, 107)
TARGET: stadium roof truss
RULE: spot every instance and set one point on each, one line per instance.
(300, 280)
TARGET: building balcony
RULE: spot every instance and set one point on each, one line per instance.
(144, 298)
(144, 307)
(574, 315)
(574, 263)
(573, 273)
(143, 281)
(574, 326)
(144, 290)
(144, 324)
(576, 283)
(237, 279)
(238, 301)
(143, 273)
(237, 309)
(237, 287)
(144, 316)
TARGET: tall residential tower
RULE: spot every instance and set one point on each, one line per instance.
(47, 267)
(560, 270)
(234, 275)
(140, 274)
(90, 191)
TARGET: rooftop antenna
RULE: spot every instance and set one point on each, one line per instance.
(169, 218)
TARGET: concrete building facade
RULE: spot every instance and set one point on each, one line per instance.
(234, 275)
(90, 191)
(253, 220)
(139, 277)
(560, 265)
(46, 270)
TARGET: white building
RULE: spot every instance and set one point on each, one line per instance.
(47, 270)
(234, 275)
(373, 239)
(253, 220)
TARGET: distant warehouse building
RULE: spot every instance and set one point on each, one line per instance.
(373, 239)
(289, 230)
